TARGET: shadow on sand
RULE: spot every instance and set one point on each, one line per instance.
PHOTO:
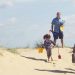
(56, 71)
(70, 69)
(33, 58)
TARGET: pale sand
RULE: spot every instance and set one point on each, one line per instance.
(30, 62)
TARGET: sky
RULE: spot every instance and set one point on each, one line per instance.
(24, 22)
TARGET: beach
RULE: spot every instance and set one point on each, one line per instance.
(30, 62)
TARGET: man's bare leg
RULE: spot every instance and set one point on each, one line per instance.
(51, 58)
(62, 43)
(55, 41)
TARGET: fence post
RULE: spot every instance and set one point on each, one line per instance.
(73, 55)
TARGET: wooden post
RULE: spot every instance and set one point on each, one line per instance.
(73, 55)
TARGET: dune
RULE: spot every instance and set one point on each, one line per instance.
(30, 62)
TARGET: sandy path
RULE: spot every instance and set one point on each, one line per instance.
(30, 62)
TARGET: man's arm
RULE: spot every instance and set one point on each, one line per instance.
(52, 27)
(53, 43)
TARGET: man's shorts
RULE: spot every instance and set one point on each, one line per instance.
(58, 35)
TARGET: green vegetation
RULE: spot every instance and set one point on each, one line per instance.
(38, 44)
(12, 50)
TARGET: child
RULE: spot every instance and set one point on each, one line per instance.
(48, 44)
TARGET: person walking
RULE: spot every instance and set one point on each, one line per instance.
(57, 28)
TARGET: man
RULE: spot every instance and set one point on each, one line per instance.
(57, 31)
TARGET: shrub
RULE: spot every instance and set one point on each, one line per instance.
(12, 50)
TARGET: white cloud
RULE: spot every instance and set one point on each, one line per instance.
(70, 1)
(53, 1)
(1, 24)
(25, 0)
(70, 26)
(9, 3)
(73, 1)
(11, 20)
(6, 3)
(70, 20)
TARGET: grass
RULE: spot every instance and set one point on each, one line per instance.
(38, 44)
(12, 50)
